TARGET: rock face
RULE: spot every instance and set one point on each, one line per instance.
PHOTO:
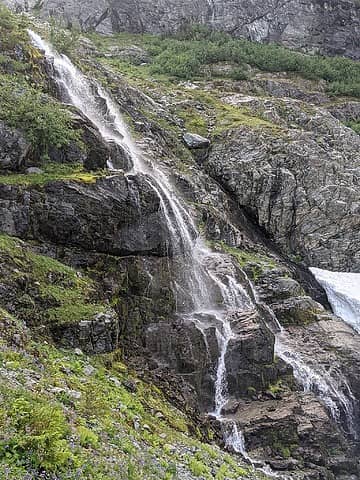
(97, 335)
(293, 434)
(14, 149)
(94, 152)
(117, 215)
(313, 25)
(300, 185)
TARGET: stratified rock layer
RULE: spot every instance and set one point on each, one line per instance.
(117, 215)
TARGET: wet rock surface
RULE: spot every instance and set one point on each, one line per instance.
(293, 435)
(14, 149)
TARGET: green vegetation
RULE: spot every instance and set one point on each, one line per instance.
(44, 121)
(254, 262)
(12, 30)
(355, 125)
(58, 294)
(198, 52)
(24, 103)
(52, 172)
(70, 416)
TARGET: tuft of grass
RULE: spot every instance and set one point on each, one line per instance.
(52, 172)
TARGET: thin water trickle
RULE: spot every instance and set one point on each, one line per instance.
(328, 385)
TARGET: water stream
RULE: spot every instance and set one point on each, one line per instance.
(206, 287)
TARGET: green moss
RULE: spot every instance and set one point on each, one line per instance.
(61, 295)
(254, 262)
(53, 172)
(193, 120)
(276, 387)
(229, 117)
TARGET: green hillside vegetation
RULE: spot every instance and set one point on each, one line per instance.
(65, 415)
(192, 53)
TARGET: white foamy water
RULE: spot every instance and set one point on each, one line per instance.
(343, 292)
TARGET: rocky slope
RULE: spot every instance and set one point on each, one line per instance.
(314, 26)
(95, 270)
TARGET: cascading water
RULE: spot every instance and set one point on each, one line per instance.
(328, 385)
(205, 290)
(343, 292)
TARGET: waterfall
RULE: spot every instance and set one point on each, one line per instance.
(205, 290)
(343, 292)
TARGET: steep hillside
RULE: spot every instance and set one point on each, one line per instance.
(161, 202)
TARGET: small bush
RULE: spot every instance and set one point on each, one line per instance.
(355, 125)
(44, 121)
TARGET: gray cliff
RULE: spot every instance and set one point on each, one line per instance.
(328, 27)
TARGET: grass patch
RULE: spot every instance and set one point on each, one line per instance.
(53, 172)
(254, 262)
(55, 293)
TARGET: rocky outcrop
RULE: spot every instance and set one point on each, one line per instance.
(14, 149)
(117, 215)
(314, 26)
(92, 150)
(299, 184)
(294, 435)
(97, 335)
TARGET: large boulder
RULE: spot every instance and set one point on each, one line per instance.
(99, 334)
(249, 358)
(117, 215)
